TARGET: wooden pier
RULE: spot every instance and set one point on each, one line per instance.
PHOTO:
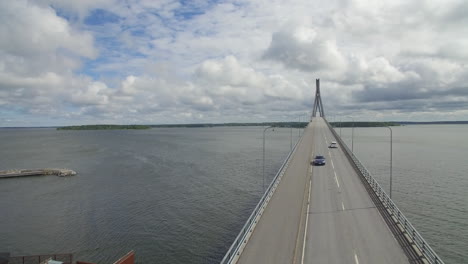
(36, 172)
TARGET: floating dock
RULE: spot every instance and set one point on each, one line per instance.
(36, 172)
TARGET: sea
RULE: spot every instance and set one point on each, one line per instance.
(181, 195)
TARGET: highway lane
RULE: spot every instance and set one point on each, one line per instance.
(340, 224)
(343, 224)
(278, 233)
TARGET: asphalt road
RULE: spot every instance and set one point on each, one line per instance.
(275, 237)
(344, 226)
(340, 224)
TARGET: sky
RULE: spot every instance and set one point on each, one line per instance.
(169, 62)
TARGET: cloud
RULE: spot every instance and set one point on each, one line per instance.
(228, 78)
(229, 72)
(426, 65)
(172, 61)
(79, 9)
(29, 30)
(97, 93)
(38, 53)
(303, 48)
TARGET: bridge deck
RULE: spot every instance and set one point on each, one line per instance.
(339, 225)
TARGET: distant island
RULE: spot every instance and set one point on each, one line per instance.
(433, 122)
(395, 123)
(364, 124)
(103, 127)
(274, 124)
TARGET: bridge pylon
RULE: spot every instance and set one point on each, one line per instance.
(318, 101)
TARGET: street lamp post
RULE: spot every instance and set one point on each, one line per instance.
(341, 124)
(352, 137)
(290, 145)
(299, 127)
(305, 120)
(264, 156)
(391, 158)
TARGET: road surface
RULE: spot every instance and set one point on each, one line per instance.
(344, 226)
(321, 214)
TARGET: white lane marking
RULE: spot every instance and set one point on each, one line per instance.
(307, 221)
(336, 180)
(333, 165)
(342, 206)
(356, 258)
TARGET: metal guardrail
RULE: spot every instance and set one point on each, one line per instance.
(37, 259)
(241, 238)
(425, 250)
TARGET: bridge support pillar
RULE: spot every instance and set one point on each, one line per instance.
(318, 106)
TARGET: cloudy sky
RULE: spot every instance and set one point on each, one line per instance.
(193, 61)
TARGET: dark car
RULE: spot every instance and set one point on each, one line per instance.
(319, 160)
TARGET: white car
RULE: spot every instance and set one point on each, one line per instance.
(333, 144)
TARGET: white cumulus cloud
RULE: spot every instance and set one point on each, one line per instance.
(65, 62)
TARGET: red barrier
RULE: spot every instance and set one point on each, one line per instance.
(129, 258)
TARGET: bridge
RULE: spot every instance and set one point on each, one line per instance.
(335, 213)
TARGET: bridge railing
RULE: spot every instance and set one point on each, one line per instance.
(423, 247)
(243, 235)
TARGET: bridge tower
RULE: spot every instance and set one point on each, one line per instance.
(318, 101)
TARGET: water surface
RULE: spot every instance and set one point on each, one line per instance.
(181, 195)
(174, 195)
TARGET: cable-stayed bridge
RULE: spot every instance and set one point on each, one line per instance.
(335, 213)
